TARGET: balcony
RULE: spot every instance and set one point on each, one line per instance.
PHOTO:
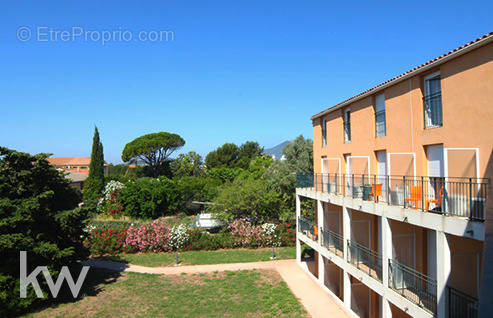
(461, 305)
(365, 259)
(464, 197)
(333, 242)
(308, 228)
(415, 286)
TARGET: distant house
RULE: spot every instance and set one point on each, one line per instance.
(77, 169)
(74, 164)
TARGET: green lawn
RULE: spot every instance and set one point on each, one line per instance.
(253, 293)
(206, 257)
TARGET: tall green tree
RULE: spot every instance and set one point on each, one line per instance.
(153, 149)
(187, 165)
(225, 156)
(94, 184)
(281, 175)
(247, 152)
(37, 216)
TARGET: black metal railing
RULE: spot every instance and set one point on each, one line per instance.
(365, 259)
(308, 228)
(465, 197)
(413, 285)
(461, 305)
(433, 110)
(333, 242)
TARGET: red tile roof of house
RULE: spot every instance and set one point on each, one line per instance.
(70, 161)
(423, 67)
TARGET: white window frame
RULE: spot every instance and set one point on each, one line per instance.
(324, 132)
(347, 135)
(384, 117)
(426, 93)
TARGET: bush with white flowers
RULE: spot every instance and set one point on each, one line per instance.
(109, 203)
(178, 236)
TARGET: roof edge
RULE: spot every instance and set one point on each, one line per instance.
(485, 39)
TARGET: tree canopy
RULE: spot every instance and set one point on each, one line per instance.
(153, 149)
(230, 155)
(187, 165)
(38, 216)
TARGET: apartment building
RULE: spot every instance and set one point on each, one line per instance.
(402, 217)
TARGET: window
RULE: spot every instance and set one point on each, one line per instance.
(380, 129)
(432, 101)
(347, 125)
(324, 133)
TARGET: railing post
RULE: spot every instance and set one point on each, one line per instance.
(422, 195)
(369, 262)
(352, 185)
(470, 198)
(375, 187)
(388, 189)
(404, 190)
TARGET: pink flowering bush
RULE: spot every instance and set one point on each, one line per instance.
(246, 234)
(150, 237)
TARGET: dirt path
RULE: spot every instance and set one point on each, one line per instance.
(316, 301)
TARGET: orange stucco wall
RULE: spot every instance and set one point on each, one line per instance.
(467, 90)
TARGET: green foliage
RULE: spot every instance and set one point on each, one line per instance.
(150, 198)
(246, 198)
(94, 183)
(224, 174)
(230, 155)
(36, 216)
(153, 149)
(187, 165)
(196, 189)
(225, 156)
(281, 175)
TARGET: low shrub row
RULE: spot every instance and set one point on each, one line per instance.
(156, 236)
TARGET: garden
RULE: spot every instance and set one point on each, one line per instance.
(145, 215)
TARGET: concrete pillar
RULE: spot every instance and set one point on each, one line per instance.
(385, 311)
(298, 214)
(347, 289)
(385, 237)
(346, 228)
(346, 233)
(443, 260)
(320, 225)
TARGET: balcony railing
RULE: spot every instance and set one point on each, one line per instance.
(333, 242)
(465, 197)
(308, 228)
(461, 305)
(365, 259)
(417, 287)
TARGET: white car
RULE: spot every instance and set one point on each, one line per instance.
(207, 221)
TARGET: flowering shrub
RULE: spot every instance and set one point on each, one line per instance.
(109, 203)
(178, 237)
(105, 241)
(286, 234)
(150, 237)
(246, 235)
(270, 236)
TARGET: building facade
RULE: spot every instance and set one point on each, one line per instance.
(402, 217)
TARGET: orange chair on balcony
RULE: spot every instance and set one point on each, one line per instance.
(376, 191)
(436, 201)
(315, 232)
(416, 195)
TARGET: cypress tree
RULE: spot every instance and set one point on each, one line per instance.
(94, 183)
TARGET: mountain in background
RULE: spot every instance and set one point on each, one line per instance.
(276, 151)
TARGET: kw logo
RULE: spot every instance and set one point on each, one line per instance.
(54, 287)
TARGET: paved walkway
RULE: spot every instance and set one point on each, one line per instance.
(315, 300)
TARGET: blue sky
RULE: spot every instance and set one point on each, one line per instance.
(235, 71)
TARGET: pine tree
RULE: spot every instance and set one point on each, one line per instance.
(94, 183)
